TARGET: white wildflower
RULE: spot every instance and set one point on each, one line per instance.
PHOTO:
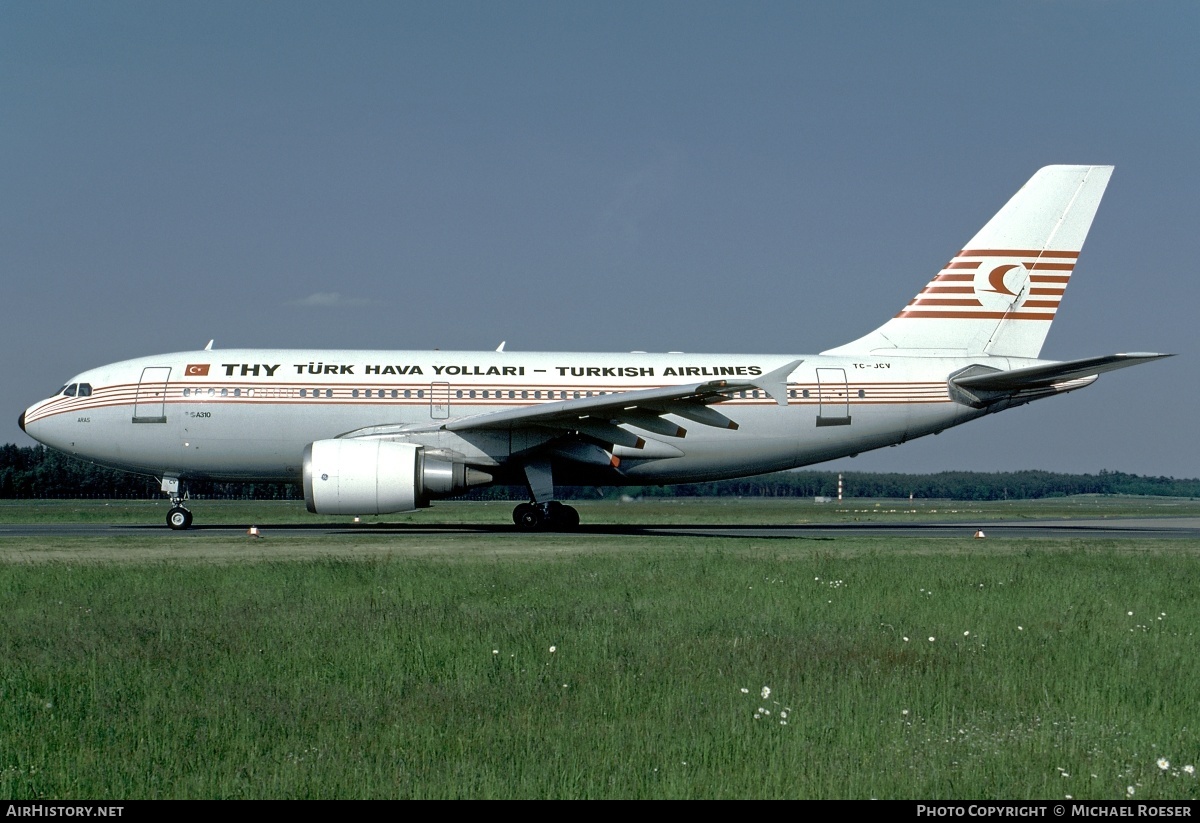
(553, 649)
(1189, 769)
(766, 692)
(745, 691)
(1129, 790)
(1163, 763)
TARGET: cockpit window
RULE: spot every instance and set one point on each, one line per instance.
(70, 390)
(85, 389)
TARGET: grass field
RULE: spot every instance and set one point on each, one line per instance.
(515, 665)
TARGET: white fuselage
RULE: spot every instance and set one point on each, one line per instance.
(248, 414)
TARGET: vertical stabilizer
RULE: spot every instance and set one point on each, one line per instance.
(1000, 293)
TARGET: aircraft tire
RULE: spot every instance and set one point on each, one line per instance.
(529, 518)
(566, 518)
(519, 512)
(179, 518)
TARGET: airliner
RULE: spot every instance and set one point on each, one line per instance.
(378, 432)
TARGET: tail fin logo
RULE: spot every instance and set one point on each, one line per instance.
(1003, 288)
(997, 277)
(995, 284)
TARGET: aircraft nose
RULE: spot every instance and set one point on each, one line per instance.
(21, 421)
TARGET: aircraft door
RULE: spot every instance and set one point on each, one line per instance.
(834, 397)
(149, 405)
(439, 400)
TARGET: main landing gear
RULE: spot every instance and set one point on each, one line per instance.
(178, 517)
(549, 516)
(543, 513)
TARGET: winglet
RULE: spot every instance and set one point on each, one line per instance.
(774, 383)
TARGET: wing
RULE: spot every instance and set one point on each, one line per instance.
(600, 418)
(645, 409)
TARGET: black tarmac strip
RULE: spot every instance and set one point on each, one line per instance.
(1174, 528)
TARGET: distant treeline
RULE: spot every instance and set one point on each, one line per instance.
(38, 472)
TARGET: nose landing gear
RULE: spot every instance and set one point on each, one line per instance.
(178, 517)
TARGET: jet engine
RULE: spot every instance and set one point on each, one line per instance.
(378, 477)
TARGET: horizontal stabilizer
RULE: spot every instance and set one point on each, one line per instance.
(1036, 377)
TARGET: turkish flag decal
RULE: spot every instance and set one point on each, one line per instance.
(196, 370)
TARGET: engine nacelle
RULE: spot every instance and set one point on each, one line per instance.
(378, 477)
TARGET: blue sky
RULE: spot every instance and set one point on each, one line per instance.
(721, 177)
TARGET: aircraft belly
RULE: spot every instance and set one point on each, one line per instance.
(764, 441)
(231, 441)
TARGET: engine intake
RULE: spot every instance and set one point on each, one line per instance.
(378, 477)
